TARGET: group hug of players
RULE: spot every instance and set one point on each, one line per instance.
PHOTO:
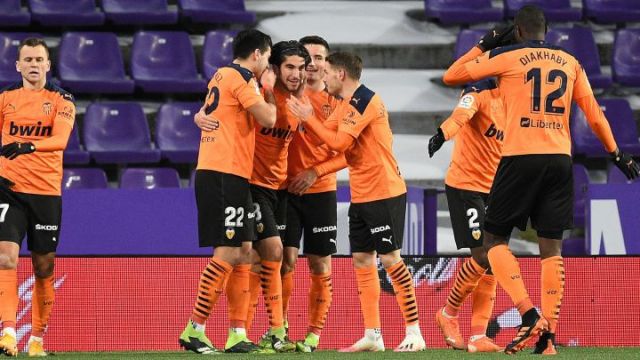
(277, 124)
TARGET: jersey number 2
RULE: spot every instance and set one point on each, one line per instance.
(535, 74)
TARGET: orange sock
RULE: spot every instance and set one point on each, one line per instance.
(254, 298)
(287, 289)
(320, 294)
(466, 280)
(552, 286)
(271, 282)
(42, 299)
(8, 297)
(369, 293)
(402, 282)
(238, 295)
(209, 289)
(484, 296)
(506, 269)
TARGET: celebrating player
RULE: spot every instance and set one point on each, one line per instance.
(534, 179)
(37, 119)
(359, 127)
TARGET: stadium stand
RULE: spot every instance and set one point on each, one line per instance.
(149, 178)
(125, 12)
(580, 185)
(91, 62)
(625, 65)
(74, 153)
(9, 42)
(177, 136)
(467, 38)
(84, 178)
(12, 14)
(217, 51)
(462, 12)
(66, 12)
(554, 10)
(611, 11)
(216, 11)
(118, 132)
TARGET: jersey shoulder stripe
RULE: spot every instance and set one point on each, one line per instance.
(480, 86)
(246, 74)
(64, 93)
(361, 98)
(534, 44)
(11, 87)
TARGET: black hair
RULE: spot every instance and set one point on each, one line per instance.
(33, 42)
(247, 41)
(283, 49)
(351, 63)
(315, 40)
(531, 20)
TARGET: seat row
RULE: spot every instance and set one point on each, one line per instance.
(161, 61)
(478, 11)
(579, 41)
(131, 178)
(121, 12)
(118, 133)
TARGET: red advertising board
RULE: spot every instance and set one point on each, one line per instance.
(108, 304)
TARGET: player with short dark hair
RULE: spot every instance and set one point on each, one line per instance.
(534, 179)
(476, 125)
(234, 105)
(36, 119)
(311, 207)
(359, 127)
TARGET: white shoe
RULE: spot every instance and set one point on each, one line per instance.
(411, 343)
(372, 341)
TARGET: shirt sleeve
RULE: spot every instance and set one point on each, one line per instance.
(247, 93)
(331, 165)
(457, 73)
(581, 87)
(65, 112)
(353, 122)
(467, 106)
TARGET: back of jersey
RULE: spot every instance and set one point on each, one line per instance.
(537, 82)
(230, 146)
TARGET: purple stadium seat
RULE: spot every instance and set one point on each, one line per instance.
(89, 178)
(65, 12)
(91, 62)
(177, 136)
(8, 53)
(580, 186)
(127, 12)
(623, 125)
(217, 51)
(216, 11)
(74, 153)
(164, 62)
(118, 133)
(12, 14)
(467, 38)
(626, 52)
(462, 11)
(554, 10)
(151, 178)
(579, 42)
(611, 11)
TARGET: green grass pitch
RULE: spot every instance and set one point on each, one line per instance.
(564, 353)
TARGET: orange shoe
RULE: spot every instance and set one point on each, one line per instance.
(546, 345)
(483, 344)
(534, 325)
(451, 330)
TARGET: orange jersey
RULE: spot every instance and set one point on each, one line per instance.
(537, 83)
(29, 116)
(270, 159)
(373, 171)
(476, 126)
(304, 153)
(229, 148)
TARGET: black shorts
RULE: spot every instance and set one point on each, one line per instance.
(270, 208)
(536, 187)
(225, 209)
(37, 216)
(317, 216)
(466, 209)
(377, 225)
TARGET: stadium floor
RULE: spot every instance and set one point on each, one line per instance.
(564, 353)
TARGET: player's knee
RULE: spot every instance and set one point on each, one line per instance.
(271, 249)
(8, 262)
(319, 266)
(287, 266)
(390, 259)
(43, 270)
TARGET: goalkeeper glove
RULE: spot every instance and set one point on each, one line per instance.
(13, 150)
(500, 35)
(435, 143)
(626, 164)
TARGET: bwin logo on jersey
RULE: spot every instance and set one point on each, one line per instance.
(378, 229)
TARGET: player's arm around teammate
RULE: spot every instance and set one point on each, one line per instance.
(36, 119)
